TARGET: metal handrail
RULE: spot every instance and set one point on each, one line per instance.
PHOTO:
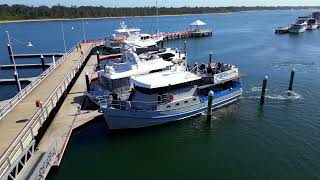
(25, 91)
(31, 129)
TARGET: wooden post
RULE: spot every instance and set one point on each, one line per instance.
(98, 60)
(53, 61)
(210, 99)
(185, 47)
(42, 62)
(210, 58)
(16, 77)
(87, 82)
(9, 51)
(291, 79)
(162, 44)
(263, 91)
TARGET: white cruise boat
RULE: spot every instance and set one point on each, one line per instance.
(114, 78)
(131, 37)
(172, 95)
(299, 27)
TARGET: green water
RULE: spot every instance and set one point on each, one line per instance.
(243, 141)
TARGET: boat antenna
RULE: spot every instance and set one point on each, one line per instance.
(157, 12)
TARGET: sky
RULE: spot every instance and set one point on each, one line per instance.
(167, 3)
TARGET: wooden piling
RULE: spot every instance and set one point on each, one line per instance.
(10, 51)
(16, 77)
(210, 57)
(291, 79)
(42, 62)
(98, 60)
(210, 99)
(263, 91)
(87, 81)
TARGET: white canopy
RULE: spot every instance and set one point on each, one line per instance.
(198, 23)
(163, 79)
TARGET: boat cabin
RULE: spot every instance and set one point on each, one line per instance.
(115, 76)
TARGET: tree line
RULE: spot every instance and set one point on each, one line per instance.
(23, 12)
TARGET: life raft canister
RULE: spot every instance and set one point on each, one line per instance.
(119, 39)
(170, 98)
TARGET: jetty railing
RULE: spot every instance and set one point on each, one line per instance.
(25, 91)
(28, 133)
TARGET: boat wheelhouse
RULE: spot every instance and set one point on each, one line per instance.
(172, 95)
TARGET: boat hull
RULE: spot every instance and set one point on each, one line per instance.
(124, 119)
(300, 30)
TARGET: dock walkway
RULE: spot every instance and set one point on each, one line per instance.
(13, 124)
(68, 118)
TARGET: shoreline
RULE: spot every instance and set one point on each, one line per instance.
(123, 17)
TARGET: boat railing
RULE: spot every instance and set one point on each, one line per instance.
(25, 91)
(131, 105)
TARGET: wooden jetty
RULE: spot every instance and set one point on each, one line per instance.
(22, 66)
(13, 81)
(21, 119)
(184, 34)
(66, 120)
(38, 55)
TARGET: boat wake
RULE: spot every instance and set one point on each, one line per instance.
(256, 89)
(287, 95)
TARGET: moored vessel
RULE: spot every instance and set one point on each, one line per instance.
(173, 95)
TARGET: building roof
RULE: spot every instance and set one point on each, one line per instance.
(163, 79)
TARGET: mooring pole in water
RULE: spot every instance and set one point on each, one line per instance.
(210, 98)
(162, 44)
(10, 51)
(42, 62)
(87, 82)
(291, 79)
(98, 60)
(185, 47)
(210, 57)
(53, 61)
(16, 77)
(263, 91)
(179, 54)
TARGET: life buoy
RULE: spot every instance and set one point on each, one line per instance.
(170, 98)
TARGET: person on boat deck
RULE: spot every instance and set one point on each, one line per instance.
(202, 67)
(195, 67)
(209, 69)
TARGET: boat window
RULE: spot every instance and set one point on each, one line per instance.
(185, 102)
(168, 106)
(166, 56)
(177, 104)
(194, 99)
